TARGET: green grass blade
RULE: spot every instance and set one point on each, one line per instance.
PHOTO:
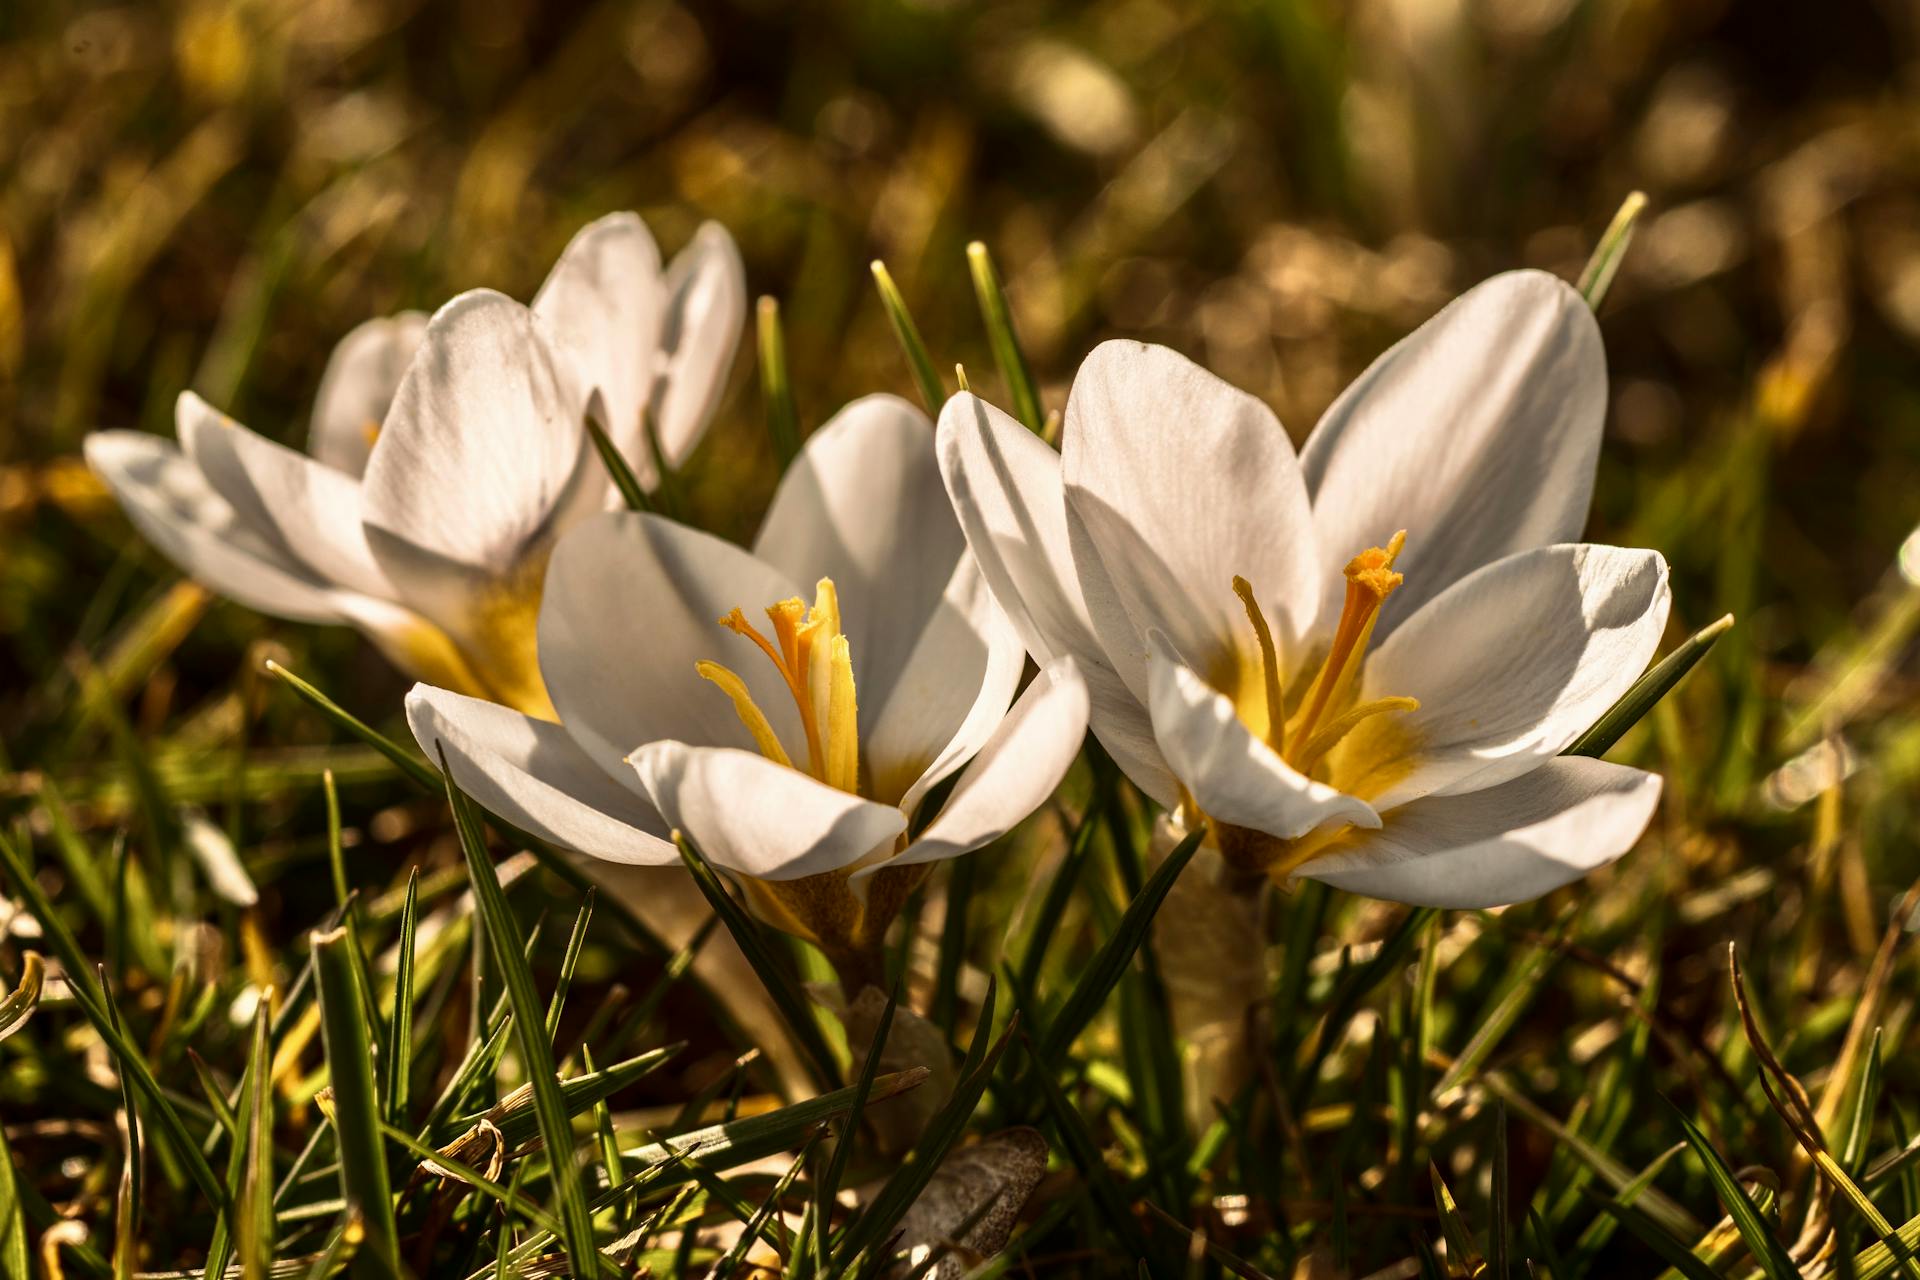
(773, 972)
(1103, 971)
(1768, 1253)
(460, 1172)
(564, 982)
(998, 317)
(903, 1187)
(536, 1050)
(255, 1199)
(13, 1225)
(356, 1109)
(962, 874)
(1658, 681)
(776, 387)
(735, 1142)
(757, 1224)
(618, 469)
(829, 1185)
(1461, 1253)
(1053, 906)
(405, 761)
(1597, 277)
(1109, 1198)
(519, 1122)
(398, 1066)
(932, 392)
(239, 1126)
(86, 992)
(126, 1232)
(1518, 989)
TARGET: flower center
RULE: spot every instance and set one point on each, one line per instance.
(1326, 714)
(816, 664)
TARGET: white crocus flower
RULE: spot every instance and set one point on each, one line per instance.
(797, 753)
(445, 456)
(1359, 664)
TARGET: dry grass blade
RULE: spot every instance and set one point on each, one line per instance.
(20, 1002)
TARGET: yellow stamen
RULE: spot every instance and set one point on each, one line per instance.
(1269, 665)
(843, 720)
(822, 692)
(1370, 580)
(749, 712)
(1329, 738)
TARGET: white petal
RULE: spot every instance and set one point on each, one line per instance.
(952, 694)
(314, 508)
(1508, 844)
(355, 391)
(1477, 434)
(863, 505)
(757, 818)
(1515, 661)
(483, 445)
(1005, 486)
(706, 288)
(603, 304)
(1015, 772)
(532, 774)
(632, 602)
(174, 508)
(1179, 483)
(1233, 776)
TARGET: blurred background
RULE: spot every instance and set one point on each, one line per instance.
(209, 193)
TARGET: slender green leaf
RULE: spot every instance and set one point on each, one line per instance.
(398, 1067)
(564, 982)
(1768, 1253)
(86, 992)
(255, 1198)
(631, 491)
(409, 764)
(356, 1107)
(902, 1188)
(998, 317)
(773, 973)
(757, 1224)
(1104, 970)
(736, 1142)
(776, 387)
(1597, 277)
(13, 1226)
(536, 1050)
(1108, 1197)
(1654, 685)
(932, 393)
(441, 1162)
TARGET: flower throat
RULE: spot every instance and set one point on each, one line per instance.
(1304, 739)
(815, 662)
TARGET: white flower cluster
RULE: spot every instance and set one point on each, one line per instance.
(1359, 663)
